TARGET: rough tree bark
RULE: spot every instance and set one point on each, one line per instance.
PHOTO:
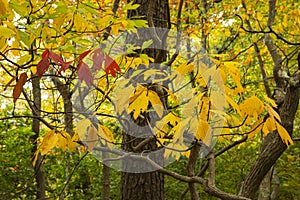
(287, 97)
(150, 185)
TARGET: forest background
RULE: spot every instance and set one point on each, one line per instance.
(215, 84)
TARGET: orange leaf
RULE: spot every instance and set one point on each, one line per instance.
(111, 66)
(19, 86)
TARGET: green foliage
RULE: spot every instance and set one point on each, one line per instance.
(16, 180)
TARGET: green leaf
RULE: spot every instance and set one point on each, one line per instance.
(24, 38)
(146, 44)
(130, 6)
(139, 23)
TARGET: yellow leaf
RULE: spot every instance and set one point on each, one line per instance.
(92, 138)
(73, 142)
(204, 107)
(185, 68)
(259, 16)
(179, 129)
(161, 126)
(172, 96)
(105, 21)
(235, 74)
(189, 108)
(6, 32)
(167, 153)
(271, 101)
(138, 91)
(140, 104)
(81, 128)
(285, 136)
(272, 112)
(63, 138)
(203, 130)
(256, 128)
(269, 126)
(233, 104)
(186, 154)
(291, 158)
(252, 107)
(3, 44)
(35, 157)
(80, 24)
(108, 134)
(156, 103)
(115, 29)
(3, 7)
(122, 96)
(48, 142)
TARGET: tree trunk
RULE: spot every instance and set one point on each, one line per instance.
(287, 98)
(265, 187)
(39, 172)
(274, 146)
(66, 94)
(145, 184)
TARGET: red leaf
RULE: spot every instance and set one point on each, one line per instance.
(8, 84)
(45, 53)
(56, 58)
(98, 58)
(85, 74)
(42, 66)
(65, 66)
(111, 66)
(83, 55)
(19, 86)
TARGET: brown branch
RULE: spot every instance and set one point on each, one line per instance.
(266, 32)
(190, 168)
(211, 166)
